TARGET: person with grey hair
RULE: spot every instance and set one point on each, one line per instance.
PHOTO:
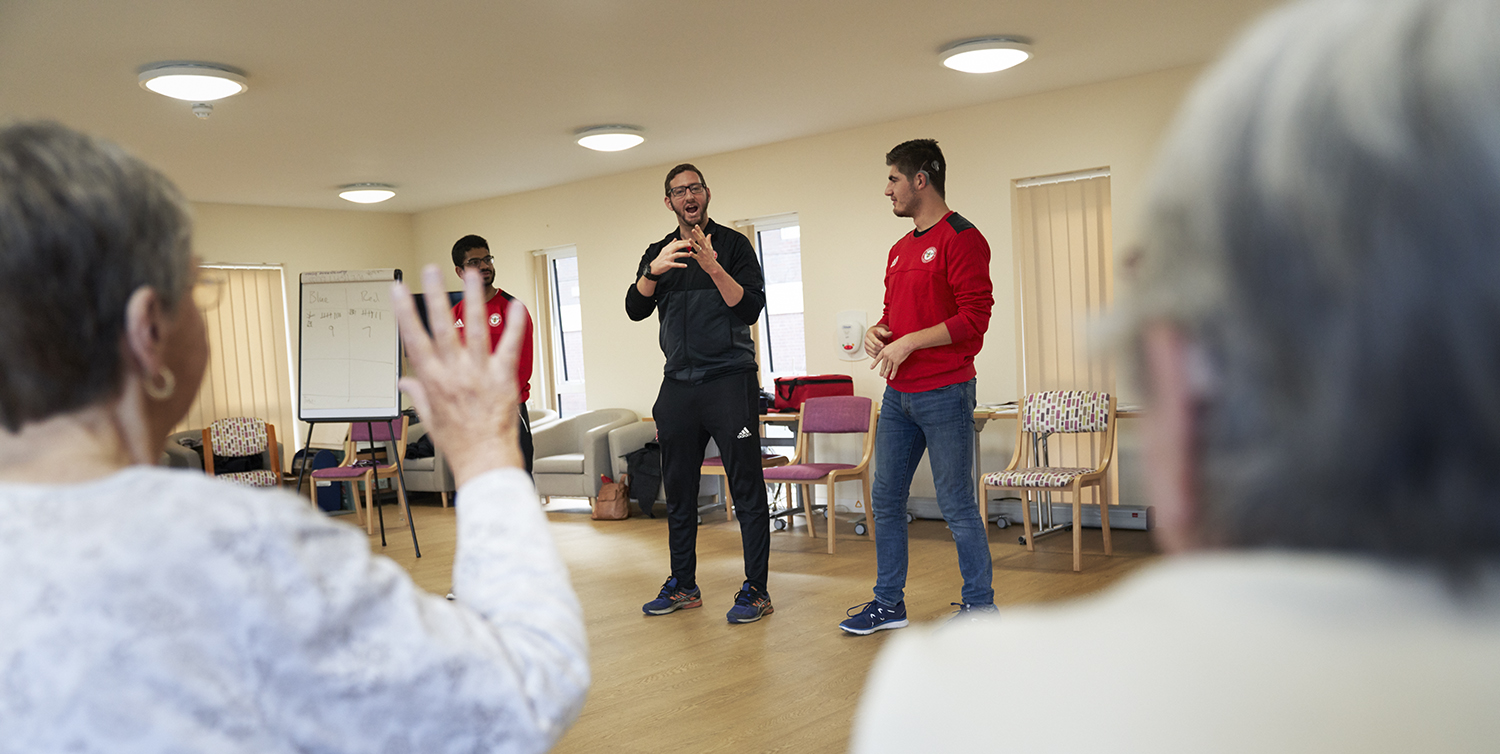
(155, 610)
(1315, 323)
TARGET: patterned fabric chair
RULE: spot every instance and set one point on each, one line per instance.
(1040, 416)
(841, 414)
(378, 439)
(243, 436)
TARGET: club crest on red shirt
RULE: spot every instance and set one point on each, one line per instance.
(929, 255)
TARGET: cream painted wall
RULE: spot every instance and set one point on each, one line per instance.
(303, 240)
(835, 183)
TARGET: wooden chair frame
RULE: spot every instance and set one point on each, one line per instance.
(271, 449)
(372, 475)
(860, 472)
(1025, 457)
(766, 462)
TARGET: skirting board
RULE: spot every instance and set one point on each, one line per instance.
(1138, 517)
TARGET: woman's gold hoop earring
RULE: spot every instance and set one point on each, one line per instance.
(168, 384)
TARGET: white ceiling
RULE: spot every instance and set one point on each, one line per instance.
(454, 101)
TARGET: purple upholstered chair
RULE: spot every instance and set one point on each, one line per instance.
(842, 414)
(362, 470)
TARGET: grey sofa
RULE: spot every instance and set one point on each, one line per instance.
(629, 438)
(572, 453)
(426, 474)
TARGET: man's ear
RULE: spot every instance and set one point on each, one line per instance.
(666, 201)
(919, 181)
(145, 330)
(1171, 437)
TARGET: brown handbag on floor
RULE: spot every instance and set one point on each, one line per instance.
(613, 503)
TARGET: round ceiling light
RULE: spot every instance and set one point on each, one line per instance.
(609, 138)
(986, 55)
(193, 82)
(367, 193)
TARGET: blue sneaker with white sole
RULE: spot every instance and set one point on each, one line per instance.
(873, 616)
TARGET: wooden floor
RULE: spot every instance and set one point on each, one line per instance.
(691, 682)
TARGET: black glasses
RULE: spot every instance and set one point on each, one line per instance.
(476, 261)
(678, 192)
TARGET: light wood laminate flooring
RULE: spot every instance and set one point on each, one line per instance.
(690, 682)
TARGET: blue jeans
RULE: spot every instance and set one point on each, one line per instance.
(941, 422)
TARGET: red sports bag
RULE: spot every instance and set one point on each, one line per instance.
(792, 391)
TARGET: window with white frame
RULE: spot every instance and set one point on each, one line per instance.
(566, 332)
(783, 346)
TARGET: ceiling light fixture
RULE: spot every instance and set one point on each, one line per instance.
(193, 82)
(986, 55)
(367, 193)
(609, 138)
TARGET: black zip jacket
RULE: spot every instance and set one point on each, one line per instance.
(702, 337)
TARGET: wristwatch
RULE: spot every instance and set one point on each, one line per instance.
(649, 276)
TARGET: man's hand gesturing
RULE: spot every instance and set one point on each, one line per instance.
(671, 256)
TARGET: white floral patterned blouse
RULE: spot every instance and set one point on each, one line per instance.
(161, 611)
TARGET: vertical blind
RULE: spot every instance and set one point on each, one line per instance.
(249, 368)
(1065, 281)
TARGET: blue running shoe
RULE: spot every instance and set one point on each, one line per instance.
(750, 605)
(967, 613)
(672, 599)
(873, 616)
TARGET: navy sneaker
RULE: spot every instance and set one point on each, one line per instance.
(967, 613)
(750, 605)
(672, 599)
(873, 616)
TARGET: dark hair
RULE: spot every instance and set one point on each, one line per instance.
(1322, 228)
(466, 244)
(683, 168)
(83, 225)
(921, 156)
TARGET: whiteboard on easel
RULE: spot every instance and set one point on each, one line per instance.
(350, 347)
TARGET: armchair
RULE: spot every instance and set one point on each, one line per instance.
(572, 453)
(427, 474)
(628, 438)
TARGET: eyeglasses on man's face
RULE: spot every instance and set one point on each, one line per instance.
(697, 189)
(476, 261)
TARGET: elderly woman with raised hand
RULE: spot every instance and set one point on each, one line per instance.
(1318, 326)
(151, 610)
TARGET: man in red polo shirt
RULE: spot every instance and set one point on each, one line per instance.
(937, 308)
(473, 252)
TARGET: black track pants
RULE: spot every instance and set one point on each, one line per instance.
(728, 410)
(523, 437)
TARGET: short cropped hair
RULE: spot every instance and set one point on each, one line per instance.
(921, 156)
(683, 168)
(83, 225)
(463, 246)
(1324, 227)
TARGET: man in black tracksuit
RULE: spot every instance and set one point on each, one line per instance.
(705, 284)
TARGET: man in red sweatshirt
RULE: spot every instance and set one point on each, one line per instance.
(937, 308)
(473, 252)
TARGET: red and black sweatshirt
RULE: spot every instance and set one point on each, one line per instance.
(939, 275)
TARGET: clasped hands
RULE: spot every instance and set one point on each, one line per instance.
(697, 245)
(888, 355)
